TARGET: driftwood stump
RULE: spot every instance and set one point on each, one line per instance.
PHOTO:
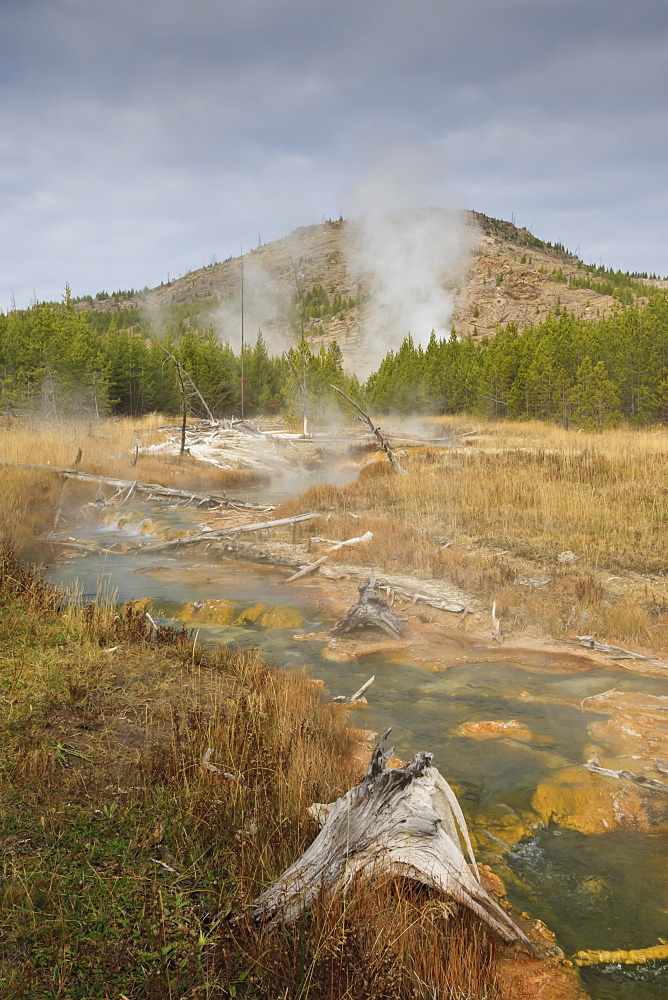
(370, 610)
(404, 821)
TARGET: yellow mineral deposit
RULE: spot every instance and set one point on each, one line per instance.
(221, 612)
(495, 727)
(635, 956)
(336, 655)
(281, 617)
(139, 606)
(504, 824)
(590, 803)
(216, 612)
(252, 615)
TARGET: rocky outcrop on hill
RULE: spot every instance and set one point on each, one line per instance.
(509, 276)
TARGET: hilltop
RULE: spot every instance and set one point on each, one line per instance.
(510, 276)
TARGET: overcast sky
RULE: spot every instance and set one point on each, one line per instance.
(139, 138)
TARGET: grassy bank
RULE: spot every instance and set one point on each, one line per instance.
(510, 500)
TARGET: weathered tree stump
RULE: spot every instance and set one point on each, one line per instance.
(403, 821)
(371, 610)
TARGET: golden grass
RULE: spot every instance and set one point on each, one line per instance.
(511, 499)
(29, 499)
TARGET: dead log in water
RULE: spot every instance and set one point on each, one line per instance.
(222, 533)
(403, 821)
(371, 610)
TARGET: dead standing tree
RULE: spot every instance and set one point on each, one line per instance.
(185, 379)
(301, 379)
(403, 821)
(376, 431)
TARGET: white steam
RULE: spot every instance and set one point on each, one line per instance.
(407, 256)
(265, 309)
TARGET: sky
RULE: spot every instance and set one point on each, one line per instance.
(140, 140)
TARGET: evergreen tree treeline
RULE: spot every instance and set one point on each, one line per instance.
(593, 374)
(58, 361)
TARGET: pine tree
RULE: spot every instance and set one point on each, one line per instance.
(594, 397)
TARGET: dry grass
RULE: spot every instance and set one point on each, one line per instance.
(30, 498)
(510, 500)
(410, 943)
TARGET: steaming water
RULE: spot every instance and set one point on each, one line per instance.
(604, 891)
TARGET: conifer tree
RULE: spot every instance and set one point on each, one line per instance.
(593, 397)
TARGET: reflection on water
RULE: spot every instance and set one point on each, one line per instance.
(605, 891)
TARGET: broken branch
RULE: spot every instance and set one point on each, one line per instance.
(366, 537)
(376, 431)
(341, 699)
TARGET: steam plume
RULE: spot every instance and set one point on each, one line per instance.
(265, 308)
(407, 256)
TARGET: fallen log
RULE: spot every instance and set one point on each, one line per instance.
(214, 499)
(207, 536)
(396, 588)
(70, 543)
(366, 537)
(311, 568)
(371, 610)
(616, 652)
(456, 607)
(403, 821)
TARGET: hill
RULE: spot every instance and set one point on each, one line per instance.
(501, 274)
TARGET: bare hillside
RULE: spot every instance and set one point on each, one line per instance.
(508, 276)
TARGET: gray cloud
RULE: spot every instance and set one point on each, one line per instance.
(137, 139)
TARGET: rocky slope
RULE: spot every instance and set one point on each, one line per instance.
(508, 276)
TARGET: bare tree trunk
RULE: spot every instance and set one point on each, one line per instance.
(376, 431)
(404, 821)
(184, 376)
(184, 411)
(370, 610)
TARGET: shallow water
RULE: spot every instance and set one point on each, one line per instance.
(607, 891)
